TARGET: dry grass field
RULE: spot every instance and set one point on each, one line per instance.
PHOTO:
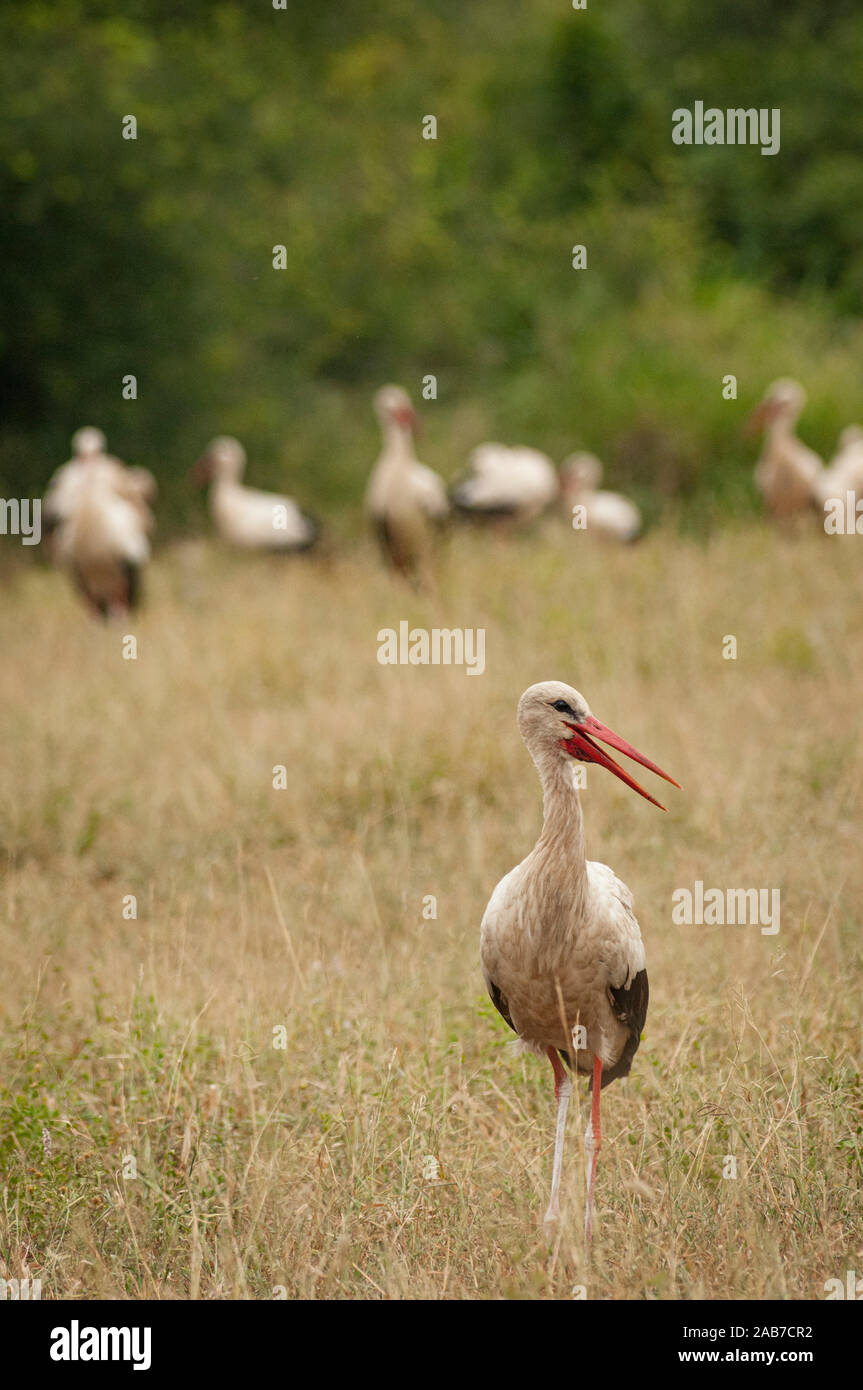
(147, 1044)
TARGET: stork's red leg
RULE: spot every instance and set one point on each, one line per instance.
(560, 1074)
(592, 1146)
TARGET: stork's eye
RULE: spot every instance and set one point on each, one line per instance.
(563, 708)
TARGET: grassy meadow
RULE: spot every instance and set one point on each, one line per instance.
(398, 1145)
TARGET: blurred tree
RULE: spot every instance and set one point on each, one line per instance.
(302, 127)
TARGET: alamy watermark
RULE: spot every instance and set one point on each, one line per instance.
(77, 1343)
(21, 517)
(717, 907)
(851, 1288)
(20, 1290)
(734, 126)
(440, 646)
(844, 516)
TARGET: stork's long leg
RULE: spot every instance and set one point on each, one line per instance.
(562, 1093)
(592, 1146)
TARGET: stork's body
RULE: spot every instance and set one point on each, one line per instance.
(560, 939)
(96, 519)
(788, 473)
(404, 497)
(102, 544)
(560, 946)
(245, 516)
(504, 481)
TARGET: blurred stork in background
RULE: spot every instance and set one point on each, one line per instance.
(605, 514)
(404, 497)
(788, 473)
(96, 521)
(245, 516)
(506, 482)
(90, 462)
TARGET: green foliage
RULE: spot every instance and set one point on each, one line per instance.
(259, 127)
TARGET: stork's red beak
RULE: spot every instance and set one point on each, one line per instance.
(407, 417)
(582, 747)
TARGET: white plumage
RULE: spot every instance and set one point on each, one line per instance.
(507, 481)
(245, 516)
(89, 462)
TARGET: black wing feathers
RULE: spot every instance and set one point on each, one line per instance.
(500, 1004)
(630, 1005)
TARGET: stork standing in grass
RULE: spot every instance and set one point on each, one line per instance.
(403, 497)
(605, 514)
(561, 951)
(245, 516)
(90, 465)
(788, 474)
(102, 544)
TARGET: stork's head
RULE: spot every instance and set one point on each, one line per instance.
(393, 408)
(224, 458)
(580, 473)
(783, 401)
(88, 443)
(556, 722)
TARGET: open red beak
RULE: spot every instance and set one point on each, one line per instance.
(582, 747)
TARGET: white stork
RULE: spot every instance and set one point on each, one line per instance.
(505, 481)
(245, 516)
(102, 543)
(403, 496)
(561, 951)
(89, 462)
(788, 472)
(608, 515)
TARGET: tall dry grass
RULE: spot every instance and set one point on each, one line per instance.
(306, 1168)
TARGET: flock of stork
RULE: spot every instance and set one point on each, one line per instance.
(98, 518)
(561, 949)
(97, 513)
